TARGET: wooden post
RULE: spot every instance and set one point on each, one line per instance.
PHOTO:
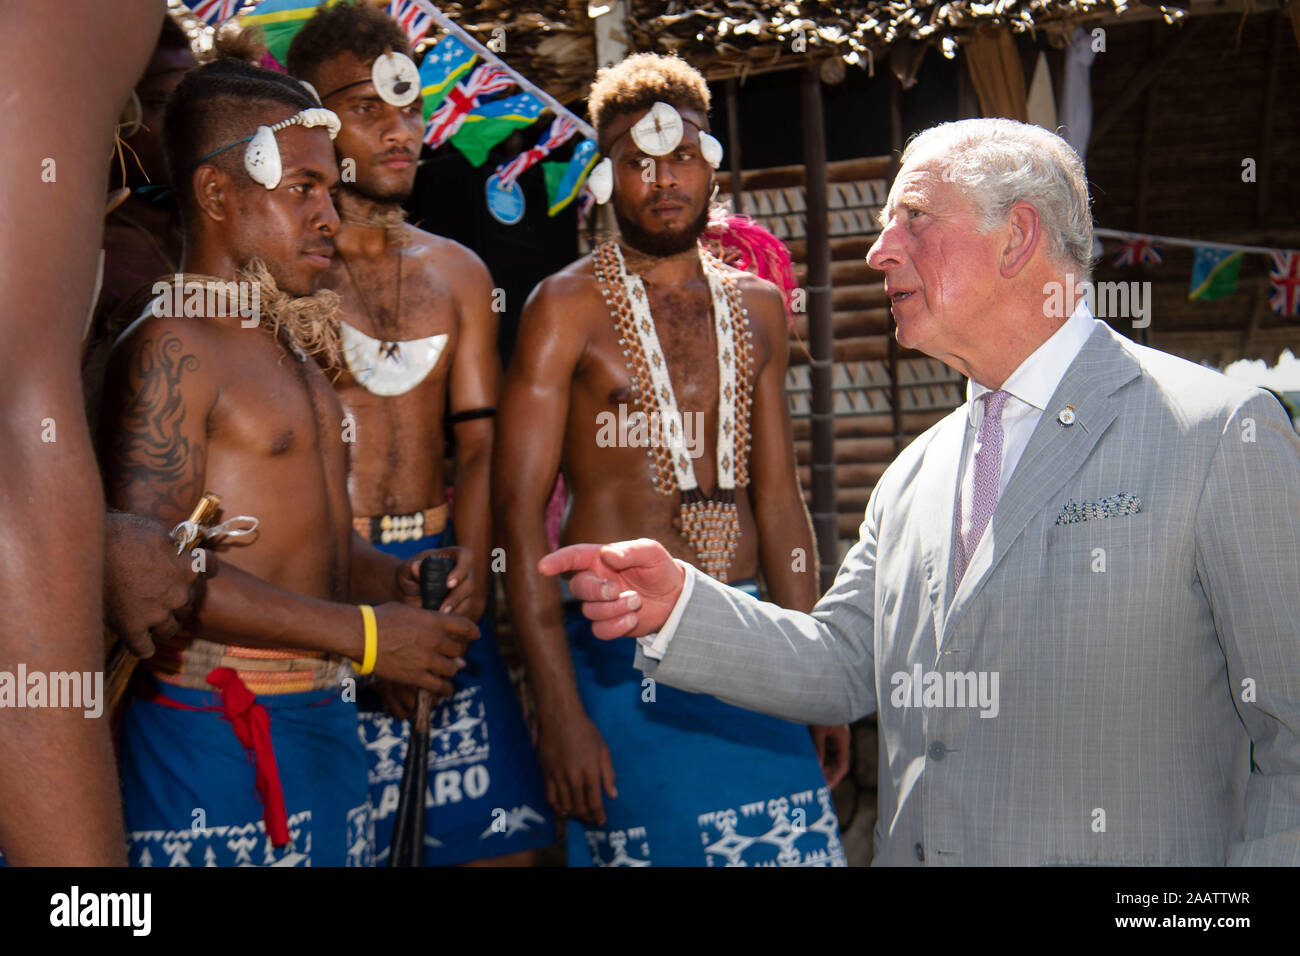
(611, 47)
(1262, 164)
(820, 338)
(733, 145)
(1143, 336)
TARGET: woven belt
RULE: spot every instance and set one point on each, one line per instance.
(394, 529)
(186, 662)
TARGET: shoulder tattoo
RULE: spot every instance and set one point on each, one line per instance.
(150, 457)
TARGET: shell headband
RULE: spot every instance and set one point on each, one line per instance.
(657, 133)
(395, 77)
(262, 154)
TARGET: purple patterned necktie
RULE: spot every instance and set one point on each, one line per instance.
(984, 488)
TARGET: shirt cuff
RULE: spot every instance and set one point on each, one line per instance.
(655, 646)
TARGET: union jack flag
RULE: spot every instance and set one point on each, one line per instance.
(558, 134)
(1284, 282)
(411, 17)
(1133, 252)
(461, 99)
(214, 12)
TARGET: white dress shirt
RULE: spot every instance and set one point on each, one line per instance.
(1030, 388)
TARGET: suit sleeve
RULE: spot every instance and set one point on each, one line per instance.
(1248, 557)
(816, 668)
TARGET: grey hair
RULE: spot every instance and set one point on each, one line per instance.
(1000, 162)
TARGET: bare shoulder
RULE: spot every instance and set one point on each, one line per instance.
(568, 294)
(172, 345)
(560, 318)
(766, 307)
(457, 264)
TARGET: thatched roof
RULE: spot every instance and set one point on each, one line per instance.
(554, 42)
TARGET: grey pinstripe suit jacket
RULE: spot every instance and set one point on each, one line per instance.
(1131, 680)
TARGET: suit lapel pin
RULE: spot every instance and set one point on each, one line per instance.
(1067, 417)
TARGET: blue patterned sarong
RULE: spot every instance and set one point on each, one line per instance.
(700, 782)
(190, 797)
(485, 795)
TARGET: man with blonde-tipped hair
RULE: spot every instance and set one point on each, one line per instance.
(653, 376)
(1073, 605)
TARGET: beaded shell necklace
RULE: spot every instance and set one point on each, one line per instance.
(710, 523)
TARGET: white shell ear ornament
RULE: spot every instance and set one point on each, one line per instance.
(396, 78)
(262, 158)
(601, 181)
(659, 131)
(310, 89)
(710, 149)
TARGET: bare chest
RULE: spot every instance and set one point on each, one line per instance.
(684, 327)
(275, 406)
(394, 298)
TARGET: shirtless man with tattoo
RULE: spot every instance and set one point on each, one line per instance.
(230, 401)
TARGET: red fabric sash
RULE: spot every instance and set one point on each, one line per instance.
(252, 725)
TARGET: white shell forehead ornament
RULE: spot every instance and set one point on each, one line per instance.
(262, 154)
(657, 133)
(396, 78)
(660, 132)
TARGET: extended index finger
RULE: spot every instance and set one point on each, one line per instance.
(637, 553)
(574, 557)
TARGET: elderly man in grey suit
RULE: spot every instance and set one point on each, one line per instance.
(1075, 602)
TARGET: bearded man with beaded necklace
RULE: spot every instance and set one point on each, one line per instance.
(653, 375)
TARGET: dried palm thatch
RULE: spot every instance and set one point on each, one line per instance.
(554, 42)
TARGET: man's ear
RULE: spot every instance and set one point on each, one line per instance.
(1023, 233)
(212, 192)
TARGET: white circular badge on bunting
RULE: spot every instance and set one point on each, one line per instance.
(504, 202)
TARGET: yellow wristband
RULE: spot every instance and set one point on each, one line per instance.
(367, 664)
